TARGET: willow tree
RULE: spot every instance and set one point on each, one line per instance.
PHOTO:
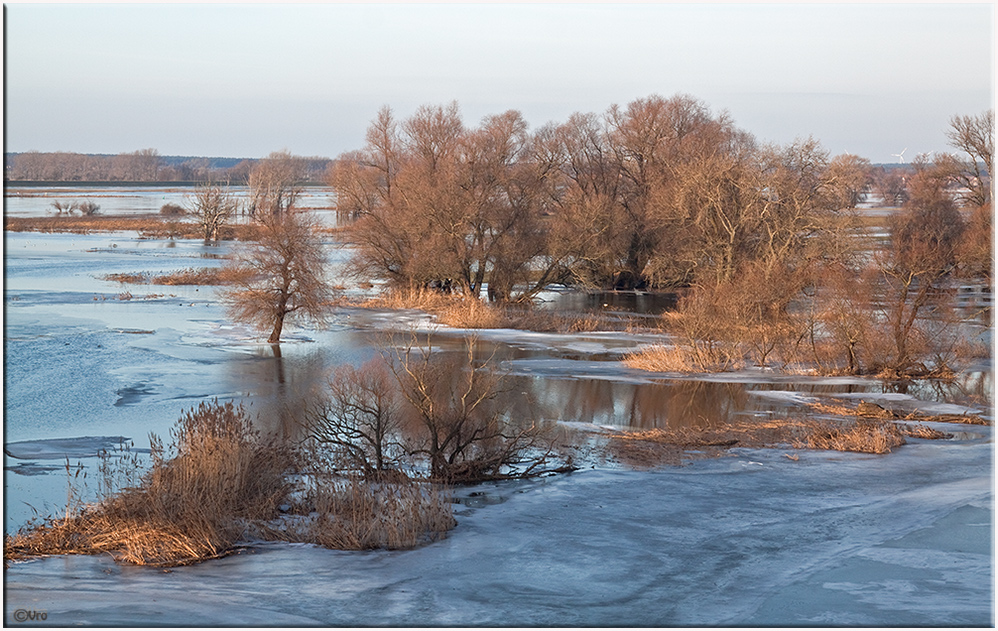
(442, 204)
(280, 278)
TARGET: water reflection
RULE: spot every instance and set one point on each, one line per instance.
(610, 301)
(283, 384)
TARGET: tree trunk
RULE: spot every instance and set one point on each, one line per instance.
(275, 335)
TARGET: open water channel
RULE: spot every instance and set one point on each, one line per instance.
(753, 538)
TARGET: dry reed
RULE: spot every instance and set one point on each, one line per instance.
(357, 514)
(646, 448)
(219, 483)
(455, 310)
(191, 276)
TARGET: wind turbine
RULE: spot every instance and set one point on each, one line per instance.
(900, 156)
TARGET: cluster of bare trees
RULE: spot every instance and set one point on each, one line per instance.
(415, 408)
(279, 277)
(144, 165)
(861, 307)
(660, 193)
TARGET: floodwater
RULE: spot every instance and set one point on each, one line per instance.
(36, 201)
(90, 364)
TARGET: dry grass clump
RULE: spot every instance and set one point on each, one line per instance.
(653, 447)
(469, 314)
(191, 276)
(660, 358)
(356, 514)
(134, 278)
(922, 431)
(462, 312)
(186, 276)
(185, 509)
(870, 411)
(152, 226)
(869, 438)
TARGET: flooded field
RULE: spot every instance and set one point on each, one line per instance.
(91, 363)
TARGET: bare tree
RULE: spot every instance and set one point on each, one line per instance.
(457, 405)
(850, 178)
(212, 205)
(276, 183)
(891, 186)
(360, 418)
(925, 239)
(439, 204)
(973, 135)
(280, 277)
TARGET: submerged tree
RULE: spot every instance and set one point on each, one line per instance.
(275, 183)
(280, 278)
(212, 205)
(925, 240)
(359, 418)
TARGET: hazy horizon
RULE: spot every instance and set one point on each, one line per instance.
(242, 80)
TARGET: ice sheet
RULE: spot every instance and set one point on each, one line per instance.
(754, 539)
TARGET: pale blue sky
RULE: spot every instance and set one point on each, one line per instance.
(246, 79)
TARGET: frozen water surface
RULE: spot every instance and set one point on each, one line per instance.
(754, 538)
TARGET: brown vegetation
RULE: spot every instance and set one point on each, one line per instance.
(153, 226)
(187, 508)
(461, 312)
(458, 418)
(281, 277)
(186, 276)
(220, 482)
(212, 206)
(660, 193)
(647, 448)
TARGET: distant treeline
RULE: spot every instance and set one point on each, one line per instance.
(144, 165)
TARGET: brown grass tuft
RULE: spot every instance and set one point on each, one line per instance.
(355, 514)
(136, 278)
(462, 312)
(870, 438)
(662, 359)
(191, 276)
(648, 448)
(923, 431)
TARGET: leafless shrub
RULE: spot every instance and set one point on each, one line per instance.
(458, 416)
(358, 418)
(88, 208)
(85, 208)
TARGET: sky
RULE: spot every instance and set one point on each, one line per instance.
(243, 80)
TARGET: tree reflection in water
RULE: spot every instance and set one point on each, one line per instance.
(281, 387)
